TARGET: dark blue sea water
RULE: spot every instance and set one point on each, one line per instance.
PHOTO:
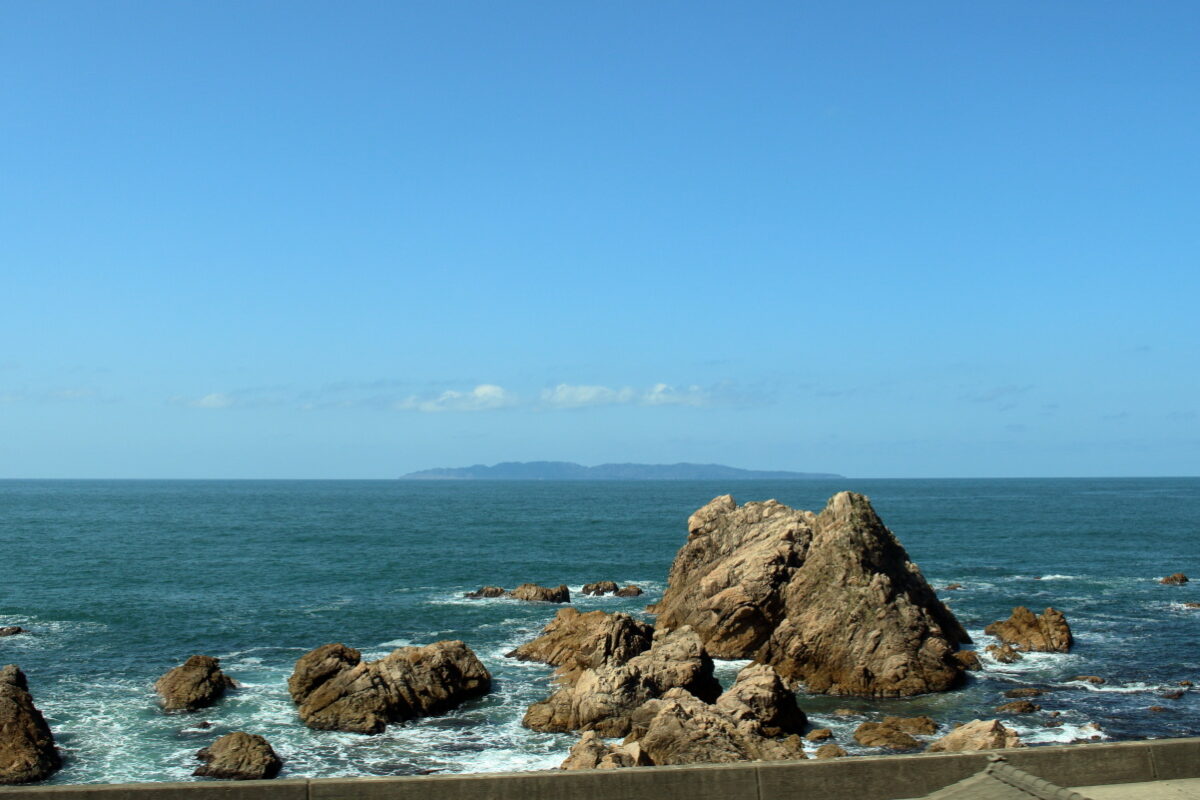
(120, 581)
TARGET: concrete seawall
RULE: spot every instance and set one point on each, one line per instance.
(863, 778)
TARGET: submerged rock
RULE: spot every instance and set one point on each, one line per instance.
(239, 756)
(1044, 633)
(486, 591)
(534, 593)
(1025, 692)
(334, 690)
(1092, 679)
(195, 684)
(1175, 580)
(27, 751)
(603, 698)
(11, 630)
(600, 588)
(630, 591)
(1018, 707)
(830, 599)
(977, 735)
(574, 641)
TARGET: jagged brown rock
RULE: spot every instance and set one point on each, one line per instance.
(1004, 653)
(486, 591)
(604, 698)
(830, 599)
(195, 684)
(11, 630)
(541, 594)
(969, 660)
(759, 694)
(600, 588)
(830, 750)
(1018, 707)
(27, 751)
(877, 734)
(1025, 692)
(1094, 679)
(335, 690)
(574, 641)
(680, 729)
(977, 735)
(819, 735)
(1044, 633)
(952, 587)
(916, 725)
(630, 591)
(1175, 580)
(239, 756)
(591, 752)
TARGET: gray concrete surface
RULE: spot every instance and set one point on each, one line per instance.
(1182, 789)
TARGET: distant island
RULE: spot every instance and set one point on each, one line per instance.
(567, 471)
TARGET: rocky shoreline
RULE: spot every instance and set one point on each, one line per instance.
(829, 602)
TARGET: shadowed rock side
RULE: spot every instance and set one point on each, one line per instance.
(27, 751)
(830, 599)
(335, 690)
(195, 684)
(602, 699)
(1044, 633)
(759, 695)
(573, 642)
(240, 757)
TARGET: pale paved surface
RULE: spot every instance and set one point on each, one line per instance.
(1183, 789)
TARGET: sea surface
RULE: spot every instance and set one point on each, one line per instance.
(118, 581)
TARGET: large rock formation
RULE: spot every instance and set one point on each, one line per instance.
(977, 734)
(1047, 633)
(335, 690)
(195, 684)
(27, 751)
(573, 642)
(240, 757)
(831, 599)
(602, 699)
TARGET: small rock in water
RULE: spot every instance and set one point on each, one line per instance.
(541, 594)
(629, 591)
(831, 750)
(600, 588)
(1094, 679)
(1158, 709)
(877, 734)
(1187, 683)
(951, 587)
(977, 735)
(1025, 692)
(969, 660)
(1018, 707)
(1191, 605)
(486, 591)
(1003, 653)
(239, 756)
(195, 684)
(11, 630)
(1173, 695)
(846, 712)
(1047, 632)
(1175, 580)
(819, 735)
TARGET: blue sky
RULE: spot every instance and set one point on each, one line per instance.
(267, 239)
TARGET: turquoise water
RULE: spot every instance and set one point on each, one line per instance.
(120, 581)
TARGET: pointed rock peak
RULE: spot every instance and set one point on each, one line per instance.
(704, 520)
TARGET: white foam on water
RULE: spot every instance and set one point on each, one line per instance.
(1065, 734)
(1057, 577)
(1128, 688)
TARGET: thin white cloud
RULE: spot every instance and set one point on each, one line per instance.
(484, 397)
(663, 394)
(214, 400)
(566, 395)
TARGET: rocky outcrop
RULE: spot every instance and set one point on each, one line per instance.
(977, 735)
(604, 698)
(573, 642)
(680, 729)
(11, 630)
(600, 588)
(1094, 679)
(485, 592)
(334, 690)
(1028, 691)
(819, 735)
(629, 591)
(195, 684)
(830, 599)
(1045, 633)
(27, 751)
(1175, 580)
(969, 660)
(240, 757)
(759, 695)
(541, 594)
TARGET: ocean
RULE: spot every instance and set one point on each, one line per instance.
(118, 581)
